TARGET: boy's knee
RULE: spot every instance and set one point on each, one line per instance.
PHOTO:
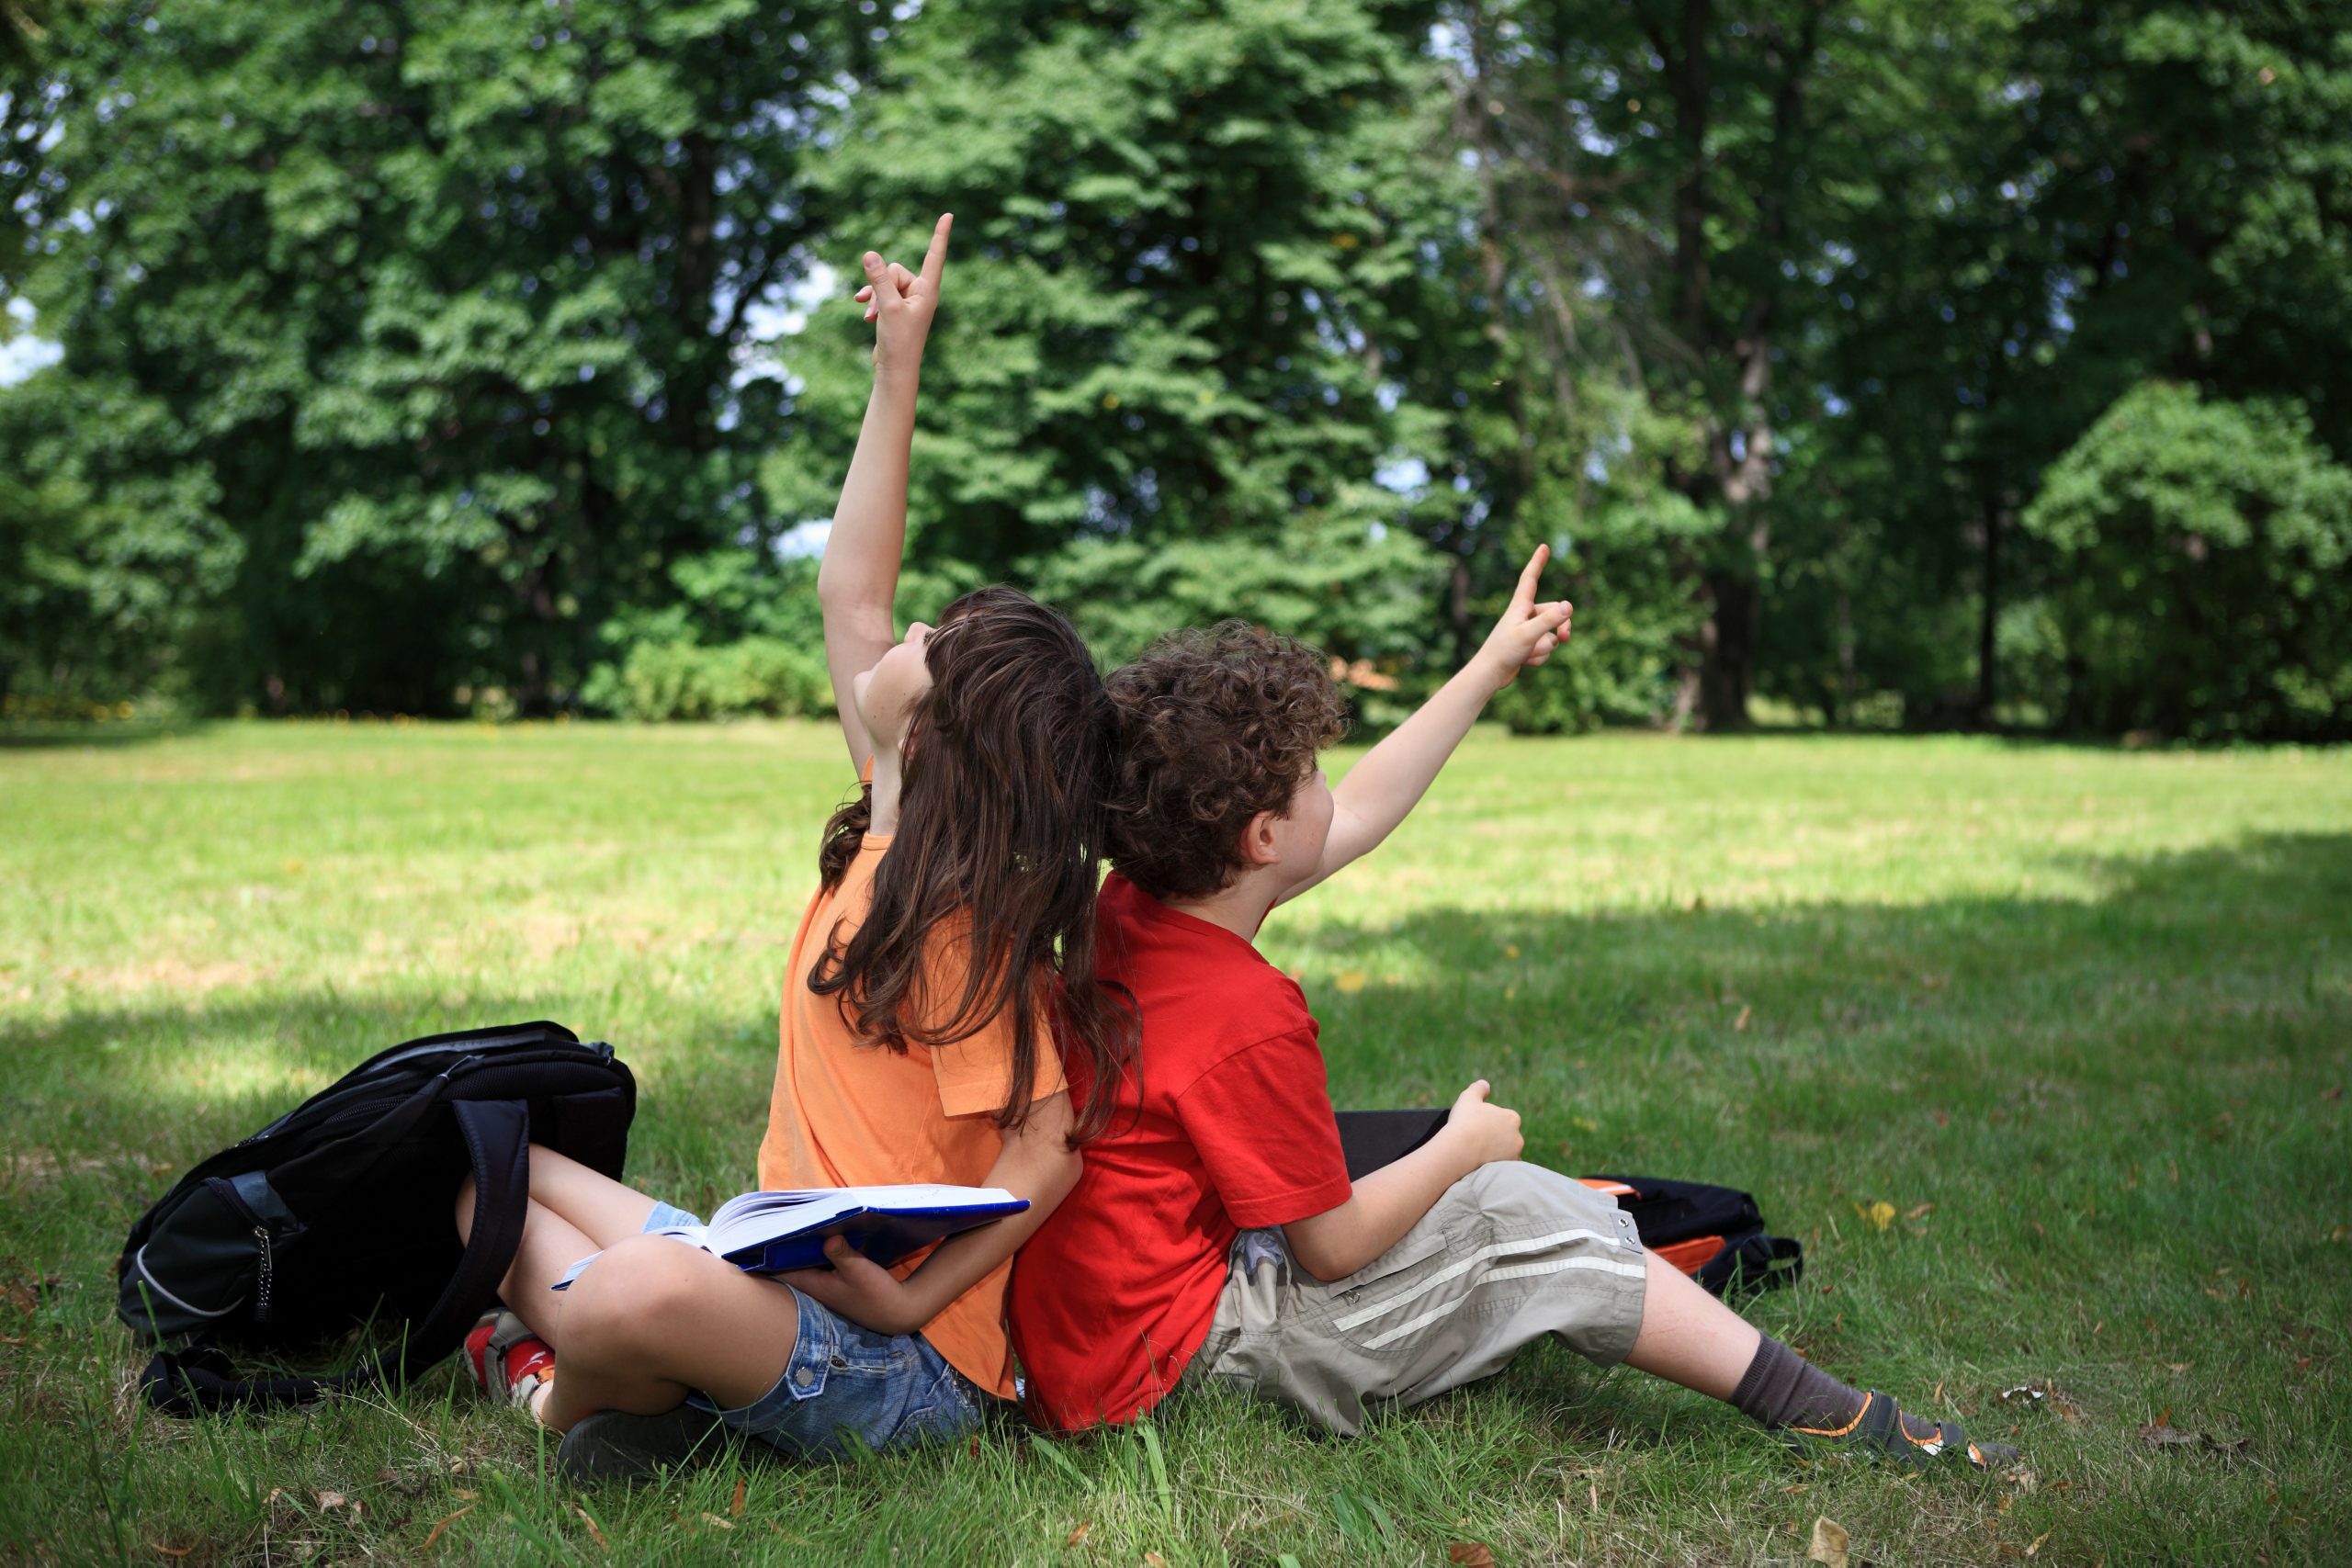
(465, 1210)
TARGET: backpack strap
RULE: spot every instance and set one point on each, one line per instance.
(498, 1142)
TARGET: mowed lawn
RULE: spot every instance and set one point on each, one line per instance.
(2042, 1051)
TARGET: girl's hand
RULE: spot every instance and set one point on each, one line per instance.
(1528, 632)
(900, 303)
(859, 1288)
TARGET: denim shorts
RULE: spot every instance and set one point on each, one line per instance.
(847, 1388)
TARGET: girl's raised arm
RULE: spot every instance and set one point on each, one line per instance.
(859, 577)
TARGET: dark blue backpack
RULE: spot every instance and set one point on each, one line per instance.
(340, 1214)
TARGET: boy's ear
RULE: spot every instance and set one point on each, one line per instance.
(1258, 842)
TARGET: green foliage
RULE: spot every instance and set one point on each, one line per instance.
(1363, 598)
(1635, 613)
(1166, 309)
(414, 354)
(2207, 557)
(104, 566)
(434, 307)
(689, 681)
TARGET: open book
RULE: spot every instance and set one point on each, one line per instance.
(768, 1232)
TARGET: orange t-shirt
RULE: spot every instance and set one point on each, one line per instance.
(845, 1114)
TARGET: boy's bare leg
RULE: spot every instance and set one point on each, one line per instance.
(651, 1320)
(1690, 1337)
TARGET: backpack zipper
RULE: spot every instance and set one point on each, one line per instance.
(267, 1276)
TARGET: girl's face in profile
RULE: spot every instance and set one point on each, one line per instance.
(885, 694)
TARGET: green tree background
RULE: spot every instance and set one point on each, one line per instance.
(1955, 363)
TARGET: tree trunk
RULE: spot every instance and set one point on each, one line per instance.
(1457, 609)
(1988, 615)
(1727, 649)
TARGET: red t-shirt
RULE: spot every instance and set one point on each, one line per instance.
(1228, 1124)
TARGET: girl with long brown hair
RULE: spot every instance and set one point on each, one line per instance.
(948, 948)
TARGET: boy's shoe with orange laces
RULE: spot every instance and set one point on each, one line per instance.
(1814, 1411)
(1880, 1430)
(509, 1362)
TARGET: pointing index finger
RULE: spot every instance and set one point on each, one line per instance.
(934, 260)
(1523, 599)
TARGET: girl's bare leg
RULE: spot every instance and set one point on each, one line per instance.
(1687, 1337)
(573, 1212)
(651, 1320)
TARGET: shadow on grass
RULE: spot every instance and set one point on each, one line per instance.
(1789, 1001)
(42, 735)
(2103, 1121)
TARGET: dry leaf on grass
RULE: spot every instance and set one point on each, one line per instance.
(2042, 1395)
(735, 1508)
(331, 1500)
(1745, 1012)
(590, 1520)
(1471, 1554)
(170, 1551)
(1830, 1542)
(2037, 1543)
(1079, 1533)
(1154, 1558)
(715, 1520)
(445, 1524)
(1881, 1213)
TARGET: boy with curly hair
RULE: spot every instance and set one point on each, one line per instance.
(1214, 1235)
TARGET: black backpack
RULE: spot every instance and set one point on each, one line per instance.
(1715, 1235)
(340, 1213)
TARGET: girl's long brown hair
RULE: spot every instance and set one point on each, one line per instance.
(1002, 820)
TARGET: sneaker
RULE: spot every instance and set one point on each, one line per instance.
(509, 1362)
(1880, 1431)
(613, 1445)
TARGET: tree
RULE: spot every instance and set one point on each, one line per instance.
(1172, 311)
(443, 301)
(2206, 590)
(1667, 152)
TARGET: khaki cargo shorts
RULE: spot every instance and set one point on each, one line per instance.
(1511, 1252)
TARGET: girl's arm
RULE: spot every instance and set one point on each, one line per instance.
(1379, 791)
(1037, 1163)
(859, 578)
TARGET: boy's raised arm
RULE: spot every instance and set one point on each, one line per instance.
(859, 578)
(1367, 804)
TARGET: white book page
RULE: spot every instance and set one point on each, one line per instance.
(757, 1217)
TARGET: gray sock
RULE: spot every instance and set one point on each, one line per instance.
(1781, 1388)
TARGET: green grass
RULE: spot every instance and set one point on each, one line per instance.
(2081, 1017)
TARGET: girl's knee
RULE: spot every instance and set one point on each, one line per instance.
(637, 1294)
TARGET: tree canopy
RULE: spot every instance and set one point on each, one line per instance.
(1891, 362)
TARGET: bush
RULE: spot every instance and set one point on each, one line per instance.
(1635, 612)
(2202, 551)
(683, 680)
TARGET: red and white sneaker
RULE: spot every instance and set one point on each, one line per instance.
(509, 1362)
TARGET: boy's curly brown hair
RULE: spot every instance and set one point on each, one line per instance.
(1215, 727)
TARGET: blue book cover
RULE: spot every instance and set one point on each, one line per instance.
(768, 1233)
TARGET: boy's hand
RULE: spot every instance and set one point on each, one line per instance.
(860, 1290)
(900, 303)
(1528, 632)
(1485, 1132)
